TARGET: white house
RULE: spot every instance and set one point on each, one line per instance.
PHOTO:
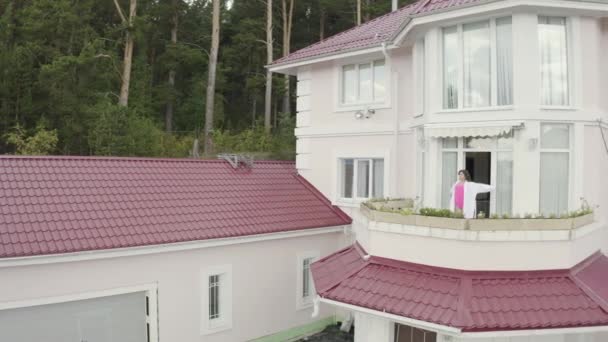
(126, 249)
(515, 91)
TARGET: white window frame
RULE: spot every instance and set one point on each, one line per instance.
(340, 105)
(370, 189)
(569, 150)
(460, 61)
(224, 321)
(301, 301)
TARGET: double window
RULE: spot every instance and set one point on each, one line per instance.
(554, 168)
(478, 64)
(553, 44)
(363, 83)
(362, 178)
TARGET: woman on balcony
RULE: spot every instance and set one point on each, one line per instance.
(464, 194)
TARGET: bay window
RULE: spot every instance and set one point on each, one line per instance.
(363, 83)
(554, 168)
(553, 45)
(362, 178)
(478, 64)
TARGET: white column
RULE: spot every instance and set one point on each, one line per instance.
(526, 169)
(369, 328)
(303, 107)
(433, 65)
(526, 64)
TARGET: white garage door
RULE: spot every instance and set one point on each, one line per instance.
(107, 319)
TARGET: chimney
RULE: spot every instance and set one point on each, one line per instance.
(395, 5)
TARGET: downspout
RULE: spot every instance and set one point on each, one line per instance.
(394, 165)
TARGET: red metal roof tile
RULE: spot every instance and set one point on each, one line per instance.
(468, 300)
(103, 203)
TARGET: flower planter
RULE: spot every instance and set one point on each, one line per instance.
(530, 224)
(391, 204)
(583, 220)
(441, 222)
(397, 218)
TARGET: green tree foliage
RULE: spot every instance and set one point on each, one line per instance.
(60, 63)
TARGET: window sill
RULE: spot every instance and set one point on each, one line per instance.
(304, 305)
(216, 327)
(478, 109)
(563, 108)
(352, 203)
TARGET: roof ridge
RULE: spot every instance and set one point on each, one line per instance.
(129, 158)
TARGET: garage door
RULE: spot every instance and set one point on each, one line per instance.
(107, 319)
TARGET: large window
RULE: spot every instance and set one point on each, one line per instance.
(478, 64)
(553, 44)
(362, 178)
(554, 169)
(363, 83)
(404, 333)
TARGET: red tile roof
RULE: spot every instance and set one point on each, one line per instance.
(469, 300)
(51, 205)
(372, 33)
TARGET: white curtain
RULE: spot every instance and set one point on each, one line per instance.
(365, 83)
(554, 61)
(450, 68)
(379, 81)
(378, 189)
(449, 171)
(504, 183)
(363, 178)
(504, 61)
(349, 83)
(347, 178)
(554, 182)
(477, 56)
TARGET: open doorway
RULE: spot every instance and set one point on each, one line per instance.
(479, 165)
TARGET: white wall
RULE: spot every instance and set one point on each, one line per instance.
(263, 279)
(370, 328)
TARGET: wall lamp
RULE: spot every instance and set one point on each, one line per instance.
(365, 114)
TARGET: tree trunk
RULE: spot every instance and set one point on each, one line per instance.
(169, 109)
(209, 105)
(322, 24)
(358, 12)
(368, 5)
(123, 99)
(287, 27)
(268, 97)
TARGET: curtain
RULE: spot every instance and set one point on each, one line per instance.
(554, 182)
(449, 176)
(554, 61)
(504, 61)
(363, 178)
(349, 81)
(450, 68)
(365, 83)
(477, 56)
(347, 178)
(378, 188)
(379, 81)
(504, 183)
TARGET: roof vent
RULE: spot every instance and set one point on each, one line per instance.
(237, 160)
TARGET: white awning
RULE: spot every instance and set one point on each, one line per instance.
(455, 130)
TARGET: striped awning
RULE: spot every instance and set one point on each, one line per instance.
(468, 129)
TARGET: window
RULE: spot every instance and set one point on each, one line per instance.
(363, 83)
(404, 333)
(554, 169)
(216, 299)
(305, 287)
(420, 76)
(478, 64)
(362, 178)
(553, 44)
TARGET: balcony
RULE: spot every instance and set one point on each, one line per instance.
(402, 212)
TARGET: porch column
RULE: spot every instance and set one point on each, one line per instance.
(373, 328)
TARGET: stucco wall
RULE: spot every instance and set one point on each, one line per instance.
(263, 274)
